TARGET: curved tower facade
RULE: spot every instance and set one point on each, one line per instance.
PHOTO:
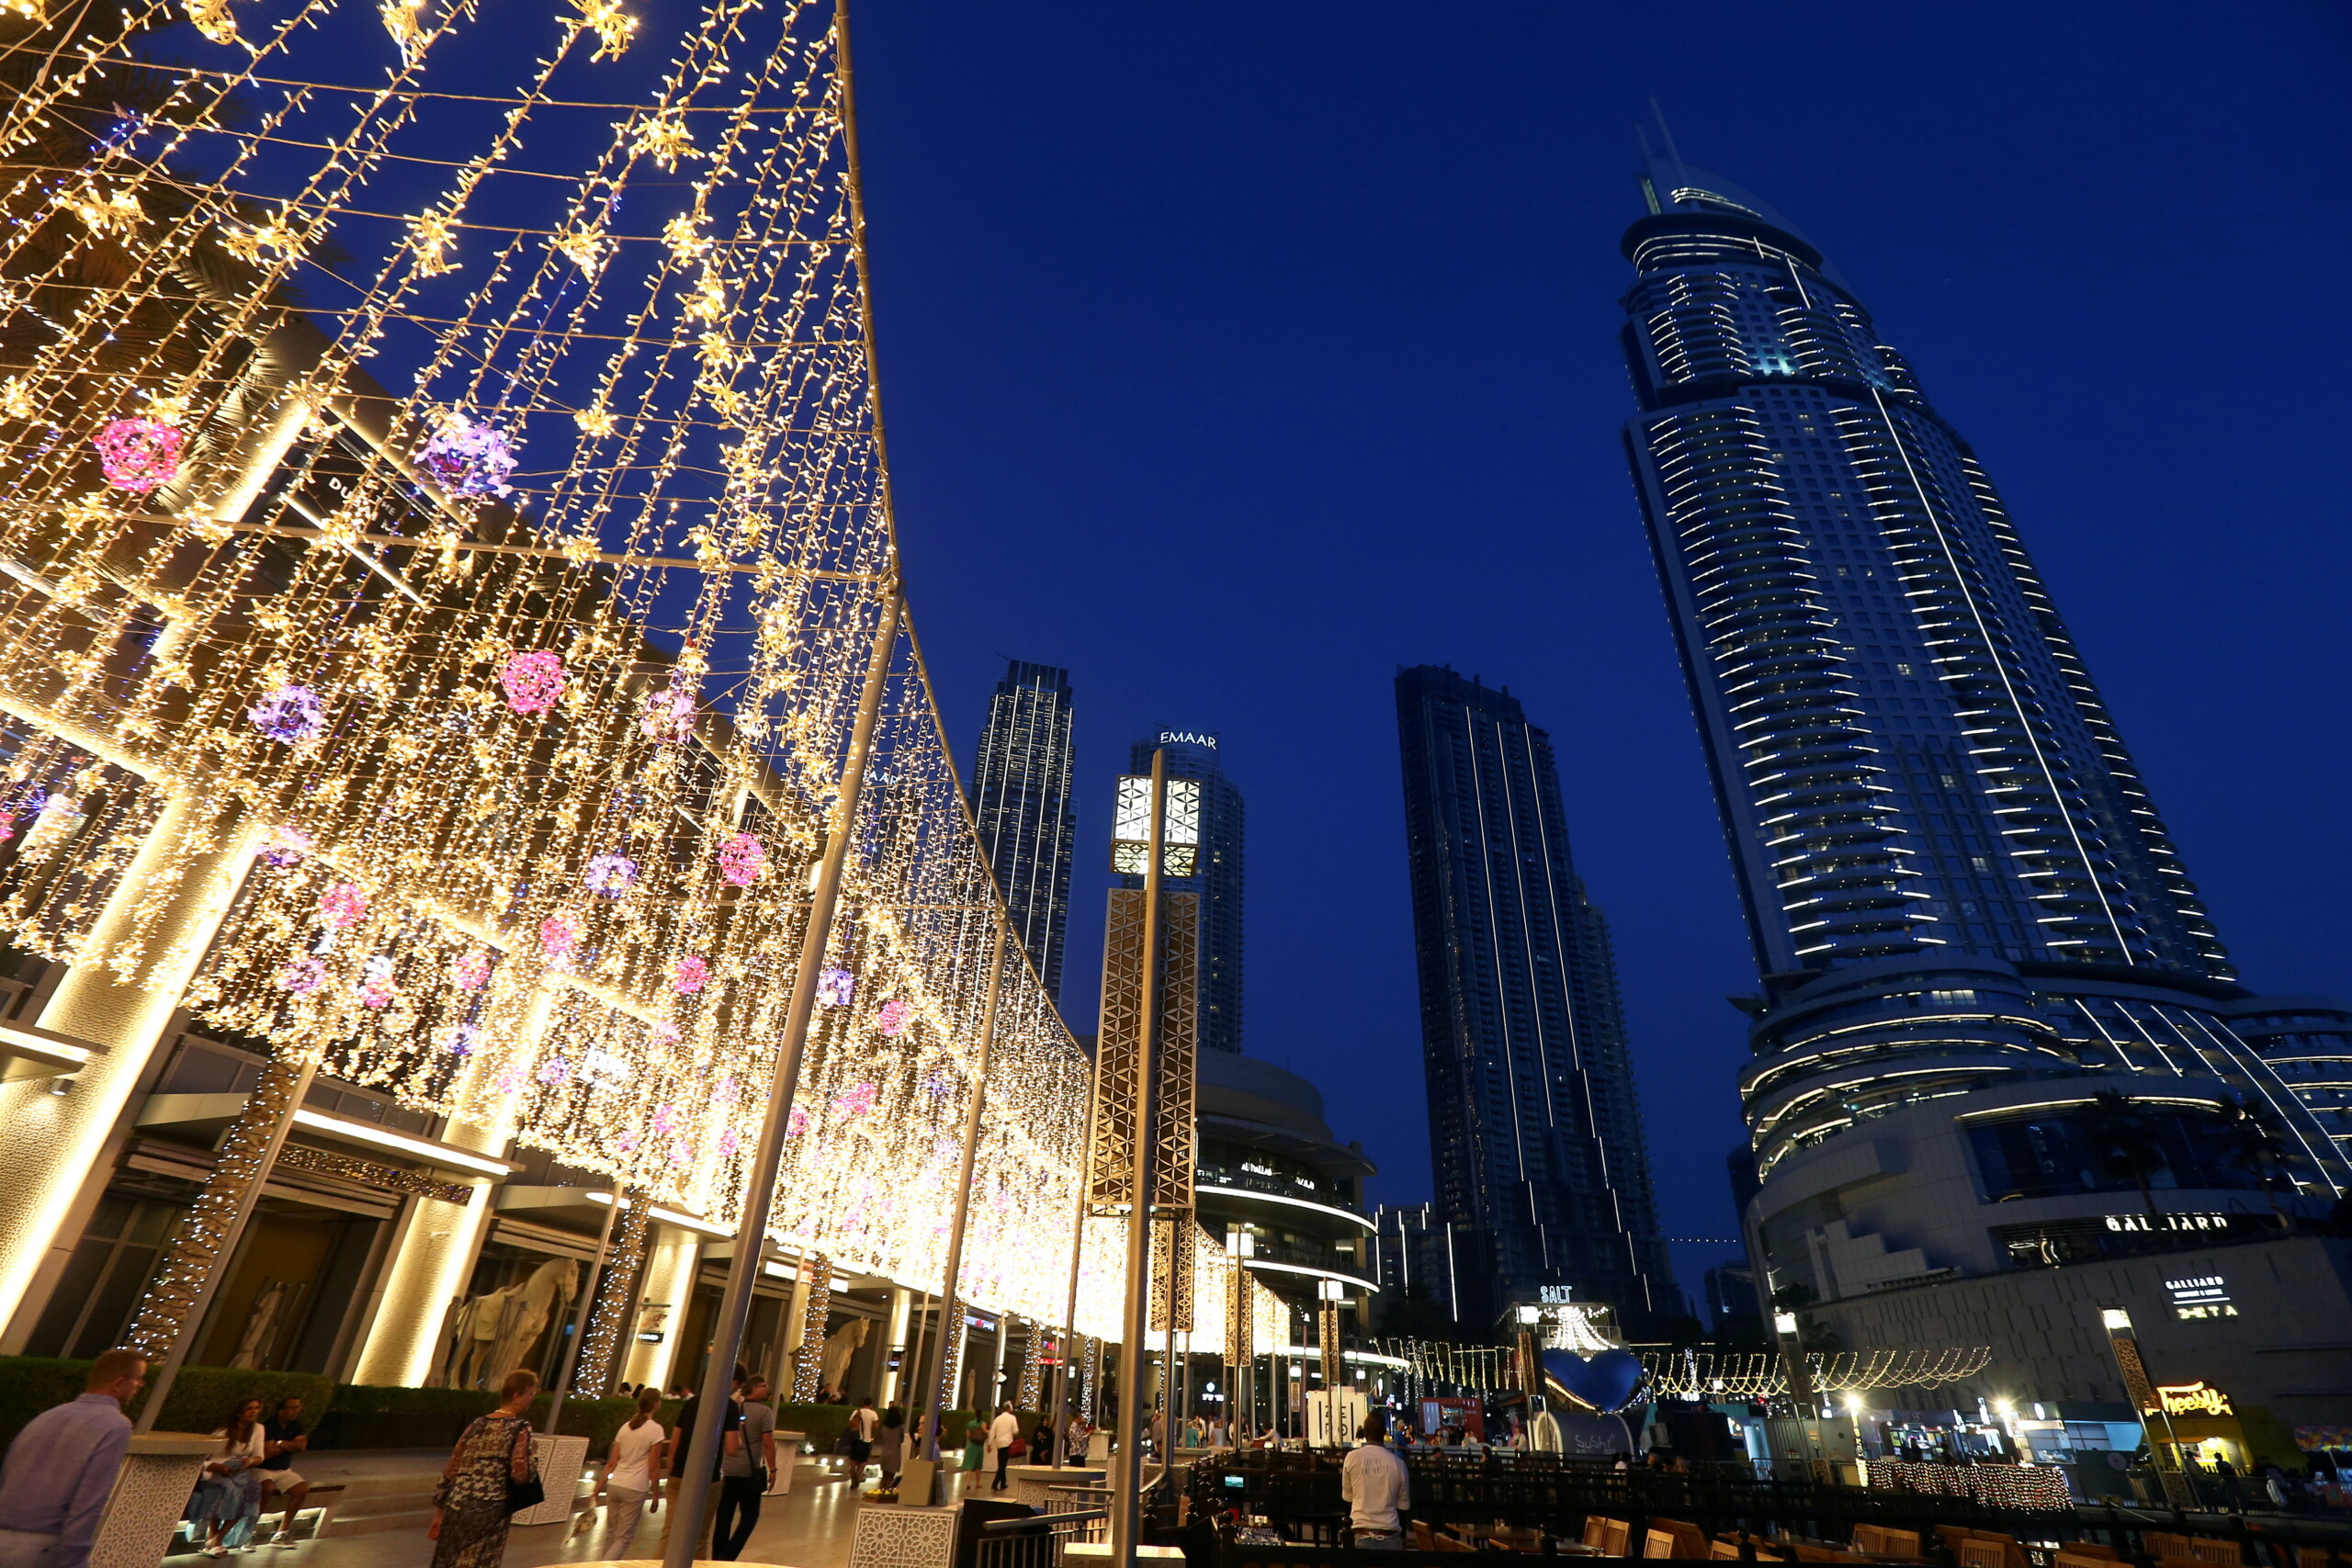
(1968, 917)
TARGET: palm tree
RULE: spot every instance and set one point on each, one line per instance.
(2125, 1143)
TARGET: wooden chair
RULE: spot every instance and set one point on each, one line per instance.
(1883, 1541)
(1807, 1553)
(2091, 1549)
(1424, 1538)
(1616, 1539)
(2012, 1550)
(1672, 1538)
(2222, 1553)
(2161, 1543)
(2074, 1558)
(1726, 1549)
(1595, 1529)
(1976, 1554)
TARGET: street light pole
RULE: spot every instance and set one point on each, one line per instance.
(1126, 1471)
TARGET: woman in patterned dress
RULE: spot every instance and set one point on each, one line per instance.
(469, 1506)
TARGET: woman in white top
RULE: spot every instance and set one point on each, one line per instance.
(228, 1493)
(633, 1467)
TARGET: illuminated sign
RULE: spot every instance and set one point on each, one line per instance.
(2192, 1399)
(1187, 737)
(2168, 1222)
(2200, 1296)
(1554, 1295)
(1255, 1168)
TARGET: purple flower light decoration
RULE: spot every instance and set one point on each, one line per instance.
(303, 975)
(668, 715)
(556, 1071)
(467, 457)
(740, 860)
(291, 713)
(140, 454)
(834, 987)
(464, 1039)
(892, 1016)
(688, 977)
(627, 1143)
(610, 874)
(533, 681)
(509, 1081)
(286, 846)
(663, 1035)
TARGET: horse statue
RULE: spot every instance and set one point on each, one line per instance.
(496, 1329)
(841, 1346)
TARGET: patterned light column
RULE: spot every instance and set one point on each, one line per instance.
(808, 1373)
(601, 1353)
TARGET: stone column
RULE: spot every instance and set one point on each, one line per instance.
(62, 1148)
(669, 1269)
(431, 1261)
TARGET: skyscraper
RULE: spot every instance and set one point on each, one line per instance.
(1192, 754)
(1534, 1132)
(1969, 920)
(1021, 777)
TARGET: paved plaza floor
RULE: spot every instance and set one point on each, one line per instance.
(807, 1527)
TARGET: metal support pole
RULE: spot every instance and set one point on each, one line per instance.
(951, 1300)
(205, 1240)
(1077, 1254)
(580, 1318)
(1127, 1463)
(759, 1196)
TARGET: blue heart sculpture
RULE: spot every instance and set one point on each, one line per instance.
(1606, 1384)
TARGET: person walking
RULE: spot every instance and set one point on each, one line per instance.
(890, 1447)
(681, 1438)
(1003, 1432)
(469, 1506)
(632, 1478)
(747, 1456)
(863, 1424)
(227, 1499)
(976, 1439)
(60, 1470)
(283, 1438)
(1375, 1484)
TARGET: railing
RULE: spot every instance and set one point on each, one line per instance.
(1298, 1495)
(1038, 1541)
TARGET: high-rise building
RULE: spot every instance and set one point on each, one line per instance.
(1996, 1031)
(1192, 754)
(1534, 1132)
(1021, 778)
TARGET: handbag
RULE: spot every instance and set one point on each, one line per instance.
(529, 1492)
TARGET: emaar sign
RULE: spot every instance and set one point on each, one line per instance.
(1187, 737)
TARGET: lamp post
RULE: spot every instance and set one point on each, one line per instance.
(1126, 1464)
(2123, 1343)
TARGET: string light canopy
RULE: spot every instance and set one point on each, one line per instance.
(441, 437)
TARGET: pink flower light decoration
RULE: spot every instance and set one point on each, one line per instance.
(665, 1119)
(740, 860)
(627, 1143)
(556, 1071)
(533, 681)
(140, 454)
(688, 977)
(728, 1144)
(343, 906)
(471, 970)
(855, 1100)
(663, 1035)
(559, 937)
(681, 1153)
(8, 826)
(892, 1016)
(302, 975)
(796, 1124)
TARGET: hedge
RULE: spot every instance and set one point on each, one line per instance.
(200, 1400)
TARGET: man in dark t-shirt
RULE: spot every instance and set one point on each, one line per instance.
(282, 1438)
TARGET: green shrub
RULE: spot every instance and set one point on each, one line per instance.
(200, 1400)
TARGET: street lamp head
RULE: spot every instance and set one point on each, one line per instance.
(1531, 1315)
(1785, 1323)
(2115, 1320)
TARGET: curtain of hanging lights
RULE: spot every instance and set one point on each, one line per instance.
(443, 436)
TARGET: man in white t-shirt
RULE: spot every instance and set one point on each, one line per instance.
(1001, 1433)
(863, 1424)
(1375, 1484)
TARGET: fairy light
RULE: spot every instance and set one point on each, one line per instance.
(522, 867)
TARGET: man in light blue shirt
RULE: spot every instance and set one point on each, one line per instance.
(61, 1468)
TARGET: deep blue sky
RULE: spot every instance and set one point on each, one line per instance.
(1235, 357)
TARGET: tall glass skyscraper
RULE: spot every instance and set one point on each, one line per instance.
(1534, 1132)
(1021, 779)
(1192, 754)
(1968, 917)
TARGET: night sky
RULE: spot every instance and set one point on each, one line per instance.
(1234, 357)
